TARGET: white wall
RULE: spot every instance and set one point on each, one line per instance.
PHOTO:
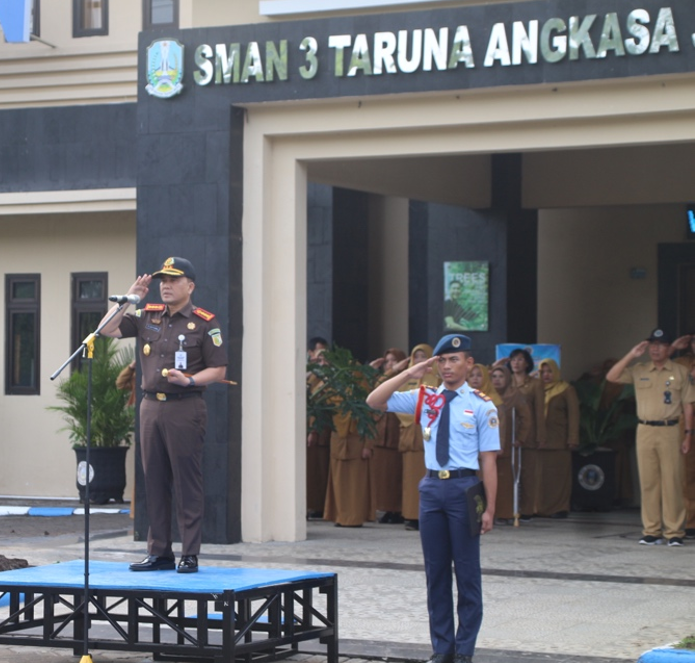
(36, 458)
(587, 300)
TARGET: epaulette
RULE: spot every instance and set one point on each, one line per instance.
(154, 307)
(482, 395)
(205, 315)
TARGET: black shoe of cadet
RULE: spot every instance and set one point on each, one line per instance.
(154, 563)
(188, 564)
(440, 658)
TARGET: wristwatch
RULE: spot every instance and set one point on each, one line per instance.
(192, 383)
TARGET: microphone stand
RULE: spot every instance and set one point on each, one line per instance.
(87, 349)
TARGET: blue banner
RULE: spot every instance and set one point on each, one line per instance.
(15, 19)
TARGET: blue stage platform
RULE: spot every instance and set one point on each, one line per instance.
(218, 614)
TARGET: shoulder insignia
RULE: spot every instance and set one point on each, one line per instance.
(154, 307)
(205, 315)
(482, 395)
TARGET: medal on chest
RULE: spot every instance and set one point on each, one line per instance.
(181, 355)
(435, 403)
(146, 350)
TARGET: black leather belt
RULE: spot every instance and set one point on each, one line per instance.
(162, 396)
(663, 422)
(451, 474)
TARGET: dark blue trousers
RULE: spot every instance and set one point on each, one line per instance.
(444, 531)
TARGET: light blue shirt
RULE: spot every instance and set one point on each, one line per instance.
(473, 425)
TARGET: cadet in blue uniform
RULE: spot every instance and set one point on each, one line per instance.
(460, 430)
(181, 351)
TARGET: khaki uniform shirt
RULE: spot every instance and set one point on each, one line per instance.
(651, 386)
(157, 333)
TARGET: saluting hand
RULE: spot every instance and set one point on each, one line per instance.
(140, 286)
(639, 349)
(418, 370)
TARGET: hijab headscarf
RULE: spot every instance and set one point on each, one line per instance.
(487, 386)
(431, 379)
(556, 386)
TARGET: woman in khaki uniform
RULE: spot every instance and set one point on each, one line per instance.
(532, 390)
(385, 464)
(561, 410)
(411, 442)
(348, 498)
(480, 379)
(512, 407)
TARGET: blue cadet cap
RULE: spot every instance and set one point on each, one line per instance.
(452, 343)
(659, 336)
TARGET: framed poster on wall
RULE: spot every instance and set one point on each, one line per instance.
(466, 296)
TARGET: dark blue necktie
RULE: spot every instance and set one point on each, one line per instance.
(442, 444)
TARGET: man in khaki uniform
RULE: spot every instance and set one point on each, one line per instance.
(665, 397)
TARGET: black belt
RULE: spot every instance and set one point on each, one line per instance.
(663, 422)
(451, 474)
(162, 397)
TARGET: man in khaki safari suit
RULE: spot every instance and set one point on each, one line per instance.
(665, 396)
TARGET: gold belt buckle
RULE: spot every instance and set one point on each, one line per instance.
(443, 474)
(161, 396)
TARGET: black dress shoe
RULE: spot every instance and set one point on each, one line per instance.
(188, 564)
(154, 563)
(462, 658)
(440, 658)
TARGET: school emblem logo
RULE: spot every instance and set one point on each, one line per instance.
(165, 68)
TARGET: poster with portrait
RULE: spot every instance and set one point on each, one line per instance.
(466, 296)
(538, 352)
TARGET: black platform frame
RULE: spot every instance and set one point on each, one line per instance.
(247, 626)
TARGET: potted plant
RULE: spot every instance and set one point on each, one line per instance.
(603, 420)
(111, 425)
(341, 386)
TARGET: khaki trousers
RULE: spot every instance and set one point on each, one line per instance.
(660, 464)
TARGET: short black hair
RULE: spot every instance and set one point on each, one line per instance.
(526, 355)
(314, 341)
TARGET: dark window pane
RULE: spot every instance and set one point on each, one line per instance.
(91, 290)
(23, 327)
(91, 14)
(87, 323)
(162, 11)
(24, 290)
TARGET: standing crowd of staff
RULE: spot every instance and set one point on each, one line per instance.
(353, 479)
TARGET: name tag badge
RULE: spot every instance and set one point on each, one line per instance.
(181, 360)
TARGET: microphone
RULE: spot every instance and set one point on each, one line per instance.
(125, 299)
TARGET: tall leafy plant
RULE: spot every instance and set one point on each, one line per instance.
(341, 387)
(602, 424)
(112, 422)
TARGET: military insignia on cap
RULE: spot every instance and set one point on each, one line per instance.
(658, 333)
(456, 342)
(216, 337)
